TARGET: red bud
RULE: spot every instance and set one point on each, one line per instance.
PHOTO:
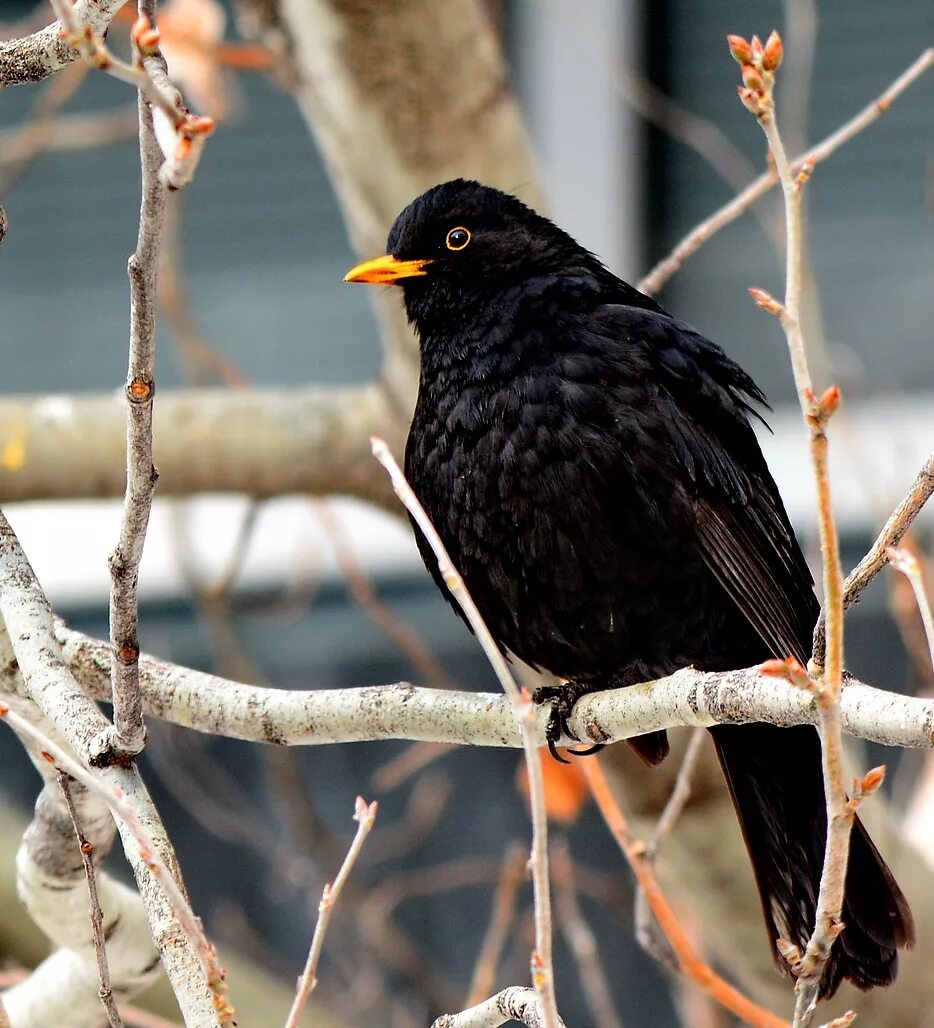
(752, 79)
(773, 53)
(740, 49)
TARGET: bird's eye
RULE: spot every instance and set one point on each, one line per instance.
(457, 238)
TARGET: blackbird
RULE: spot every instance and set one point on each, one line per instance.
(590, 464)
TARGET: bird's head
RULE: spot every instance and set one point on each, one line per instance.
(461, 246)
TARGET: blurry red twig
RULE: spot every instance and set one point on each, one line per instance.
(680, 794)
(581, 941)
(502, 915)
(689, 962)
(361, 588)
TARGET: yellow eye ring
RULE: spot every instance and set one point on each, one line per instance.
(457, 238)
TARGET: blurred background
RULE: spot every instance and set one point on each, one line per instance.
(638, 135)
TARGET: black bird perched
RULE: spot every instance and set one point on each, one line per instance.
(589, 463)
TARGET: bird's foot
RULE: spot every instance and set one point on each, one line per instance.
(562, 698)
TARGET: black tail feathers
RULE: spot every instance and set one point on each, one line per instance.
(774, 775)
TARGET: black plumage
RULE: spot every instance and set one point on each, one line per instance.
(590, 465)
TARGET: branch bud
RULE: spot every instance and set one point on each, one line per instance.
(807, 170)
(830, 400)
(740, 49)
(773, 53)
(872, 779)
(757, 51)
(752, 79)
(791, 671)
(766, 301)
(750, 99)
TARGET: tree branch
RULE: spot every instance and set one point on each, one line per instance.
(35, 57)
(695, 239)
(262, 442)
(283, 717)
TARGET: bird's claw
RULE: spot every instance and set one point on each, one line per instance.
(563, 698)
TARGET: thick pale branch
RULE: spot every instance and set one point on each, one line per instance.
(261, 442)
(49, 685)
(217, 706)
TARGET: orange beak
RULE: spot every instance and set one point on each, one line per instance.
(385, 271)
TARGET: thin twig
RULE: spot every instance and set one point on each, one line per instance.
(361, 588)
(581, 942)
(117, 801)
(900, 520)
(129, 734)
(483, 980)
(97, 916)
(364, 815)
(695, 239)
(759, 65)
(689, 962)
(680, 794)
(180, 134)
(906, 562)
(542, 964)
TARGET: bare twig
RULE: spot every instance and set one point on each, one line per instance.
(364, 815)
(891, 535)
(180, 134)
(689, 962)
(97, 917)
(906, 562)
(483, 980)
(542, 965)
(408, 641)
(129, 735)
(513, 1003)
(695, 239)
(757, 94)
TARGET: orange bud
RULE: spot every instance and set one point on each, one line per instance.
(872, 779)
(765, 300)
(756, 44)
(830, 400)
(740, 49)
(773, 53)
(4, 710)
(752, 79)
(807, 169)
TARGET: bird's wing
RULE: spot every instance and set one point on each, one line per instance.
(703, 402)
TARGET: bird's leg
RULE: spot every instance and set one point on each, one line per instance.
(563, 697)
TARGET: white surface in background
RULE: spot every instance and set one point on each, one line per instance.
(876, 451)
